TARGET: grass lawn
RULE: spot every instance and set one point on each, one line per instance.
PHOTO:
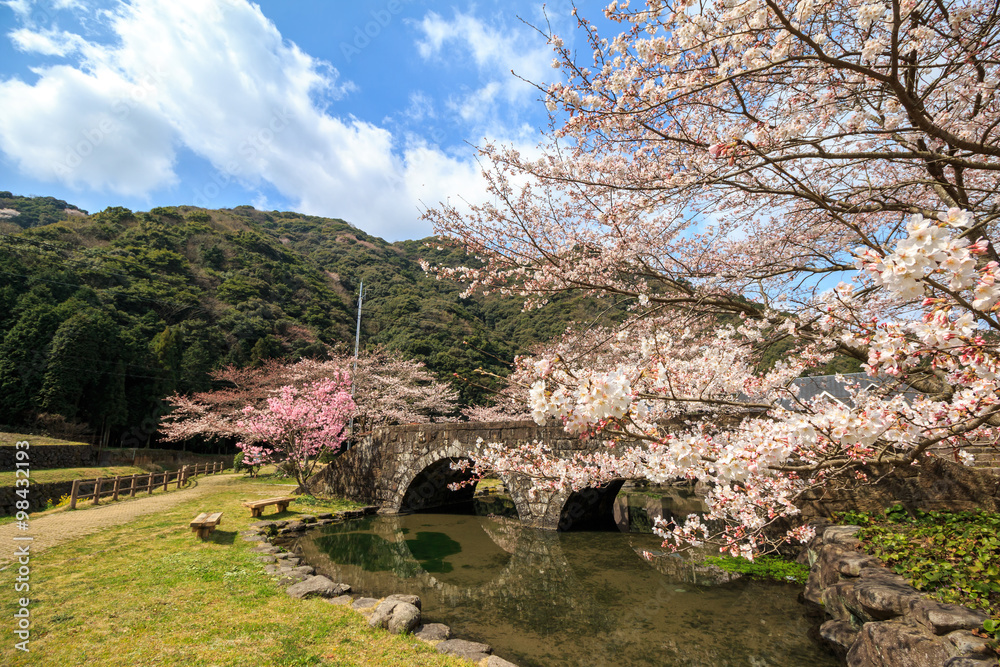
(269, 475)
(150, 593)
(69, 474)
(8, 440)
(488, 483)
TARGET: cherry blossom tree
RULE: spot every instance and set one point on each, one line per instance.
(298, 425)
(815, 174)
(510, 401)
(387, 389)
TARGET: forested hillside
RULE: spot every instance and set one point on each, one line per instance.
(33, 211)
(104, 315)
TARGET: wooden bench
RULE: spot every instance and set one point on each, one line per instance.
(205, 523)
(257, 506)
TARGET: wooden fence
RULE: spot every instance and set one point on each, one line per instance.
(122, 485)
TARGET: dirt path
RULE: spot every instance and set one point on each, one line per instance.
(53, 529)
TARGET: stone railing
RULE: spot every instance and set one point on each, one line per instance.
(876, 618)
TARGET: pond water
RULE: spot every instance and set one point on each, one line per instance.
(550, 599)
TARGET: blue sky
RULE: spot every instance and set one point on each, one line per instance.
(358, 110)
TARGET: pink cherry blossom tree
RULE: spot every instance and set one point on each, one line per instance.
(387, 390)
(298, 425)
(815, 175)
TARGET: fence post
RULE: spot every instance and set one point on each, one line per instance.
(118, 480)
(149, 483)
(97, 491)
(72, 497)
(166, 476)
(180, 476)
(131, 492)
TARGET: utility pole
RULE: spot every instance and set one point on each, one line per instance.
(357, 341)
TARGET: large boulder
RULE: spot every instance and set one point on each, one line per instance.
(494, 661)
(317, 587)
(411, 599)
(433, 632)
(364, 605)
(462, 648)
(395, 616)
(896, 643)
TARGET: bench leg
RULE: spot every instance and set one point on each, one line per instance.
(255, 512)
(282, 507)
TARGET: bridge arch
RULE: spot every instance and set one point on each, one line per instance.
(589, 509)
(425, 483)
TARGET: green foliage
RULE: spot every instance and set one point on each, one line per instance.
(773, 568)
(36, 211)
(853, 518)
(240, 466)
(953, 556)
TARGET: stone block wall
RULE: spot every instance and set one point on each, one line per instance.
(38, 495)
(877, 618)
(353, 474)
(935, 484)
(165, 458)
(41, 457)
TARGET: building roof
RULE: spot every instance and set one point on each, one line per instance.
(834, 387)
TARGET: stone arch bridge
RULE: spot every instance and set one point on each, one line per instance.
(405, 468)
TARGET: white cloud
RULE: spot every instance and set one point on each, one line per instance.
(421, 107)
(94, 130)
(46, 42)
(216, 78)
(495, 51)
(21, 7)
(478, 104)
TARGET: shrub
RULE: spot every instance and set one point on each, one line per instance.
(239, 465)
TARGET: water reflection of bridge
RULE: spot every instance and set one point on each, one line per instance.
(494, 578)
(517, 549)
(521, 563)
